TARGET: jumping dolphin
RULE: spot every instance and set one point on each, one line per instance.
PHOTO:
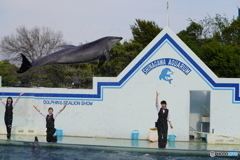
(98, 49)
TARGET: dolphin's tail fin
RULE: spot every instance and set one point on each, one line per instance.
(25, 65)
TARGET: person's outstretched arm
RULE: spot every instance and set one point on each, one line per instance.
(157, 104)
(43, 114)
(55, 115)
(15, 102)
(157, 94)
(36, 108)
(63, 108)
(2, 102)
(19, 96)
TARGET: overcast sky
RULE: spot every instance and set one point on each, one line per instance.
(83, 21)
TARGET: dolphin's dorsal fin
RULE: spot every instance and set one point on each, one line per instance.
(66, 46)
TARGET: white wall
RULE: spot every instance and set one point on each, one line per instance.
(131, 106)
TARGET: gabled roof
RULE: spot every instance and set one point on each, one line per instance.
(166, 36)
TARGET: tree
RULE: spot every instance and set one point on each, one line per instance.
(7, 71)
(231, 34)
(213, 26)
(121, 56)
(144, 31)
(216, 42)
(33, 43)
(192, 36)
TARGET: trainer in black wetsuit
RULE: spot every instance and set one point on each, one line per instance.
(50, 128)
(162, 126)
(50, 118)
(8, 117)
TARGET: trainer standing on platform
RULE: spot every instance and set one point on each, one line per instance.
(161, 124)
(8, 117)
(50, 118)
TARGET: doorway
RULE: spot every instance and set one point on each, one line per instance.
(199, 117)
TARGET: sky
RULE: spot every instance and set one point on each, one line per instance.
(83, 21)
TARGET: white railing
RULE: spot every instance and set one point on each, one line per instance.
(24, 130)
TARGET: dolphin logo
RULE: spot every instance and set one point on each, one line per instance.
(166, 75)
(70, 54)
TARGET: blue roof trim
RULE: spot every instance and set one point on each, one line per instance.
(231, 86)
(125, 78)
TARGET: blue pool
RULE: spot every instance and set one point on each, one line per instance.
(14, 150)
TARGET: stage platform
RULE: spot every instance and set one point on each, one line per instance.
(193, 147)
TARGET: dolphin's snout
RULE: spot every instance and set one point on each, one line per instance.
(116, 39)
(120, 38)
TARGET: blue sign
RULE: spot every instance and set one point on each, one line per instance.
(166, 62)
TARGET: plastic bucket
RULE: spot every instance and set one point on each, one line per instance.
(135, 134)
(171, 138)
(171, 144)
(206, 137)
(59, 132)
(135, 143)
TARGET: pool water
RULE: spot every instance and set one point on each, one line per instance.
(52, 152)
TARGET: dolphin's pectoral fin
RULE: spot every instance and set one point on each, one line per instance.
(106, 54)
(101, 61)
(170, 81)
(107, 57)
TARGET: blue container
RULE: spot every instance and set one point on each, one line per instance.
(206, 137)
(171, 144)
(135, 143)
(59, 132)
(171, 138)
(135, 134)
(59, 138)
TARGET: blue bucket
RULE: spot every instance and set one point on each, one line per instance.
(171, 138)
(135, 143)
(206, 137)
(59, 132)
(135, 134)
(171, 144)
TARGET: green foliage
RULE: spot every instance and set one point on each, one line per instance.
(121, 56)
(217, 43)
(192, 36)
(231, 34)
(144, 31)
(8, 73)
